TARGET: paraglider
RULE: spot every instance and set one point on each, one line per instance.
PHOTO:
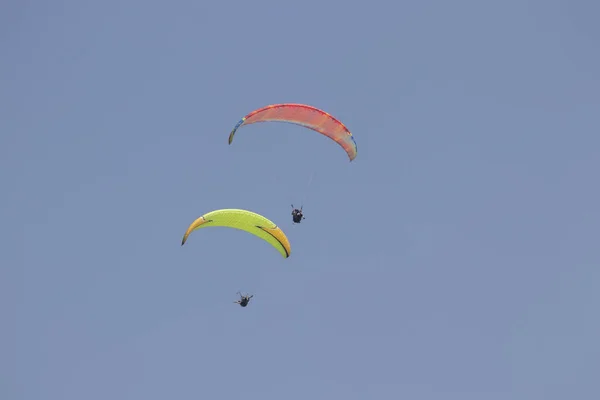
(244, 300)
(243, 220)
(297, 215)
(306, 116)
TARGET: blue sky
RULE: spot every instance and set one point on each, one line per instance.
(456, 258)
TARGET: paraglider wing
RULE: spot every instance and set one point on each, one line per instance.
(303, 115)
(246, 221)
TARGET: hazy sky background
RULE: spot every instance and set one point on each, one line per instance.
(456, 258)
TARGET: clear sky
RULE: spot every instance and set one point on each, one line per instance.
(456, 258)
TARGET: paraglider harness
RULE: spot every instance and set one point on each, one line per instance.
(297, 216)
(244, 300)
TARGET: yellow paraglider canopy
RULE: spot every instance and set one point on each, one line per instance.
(246, 221)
